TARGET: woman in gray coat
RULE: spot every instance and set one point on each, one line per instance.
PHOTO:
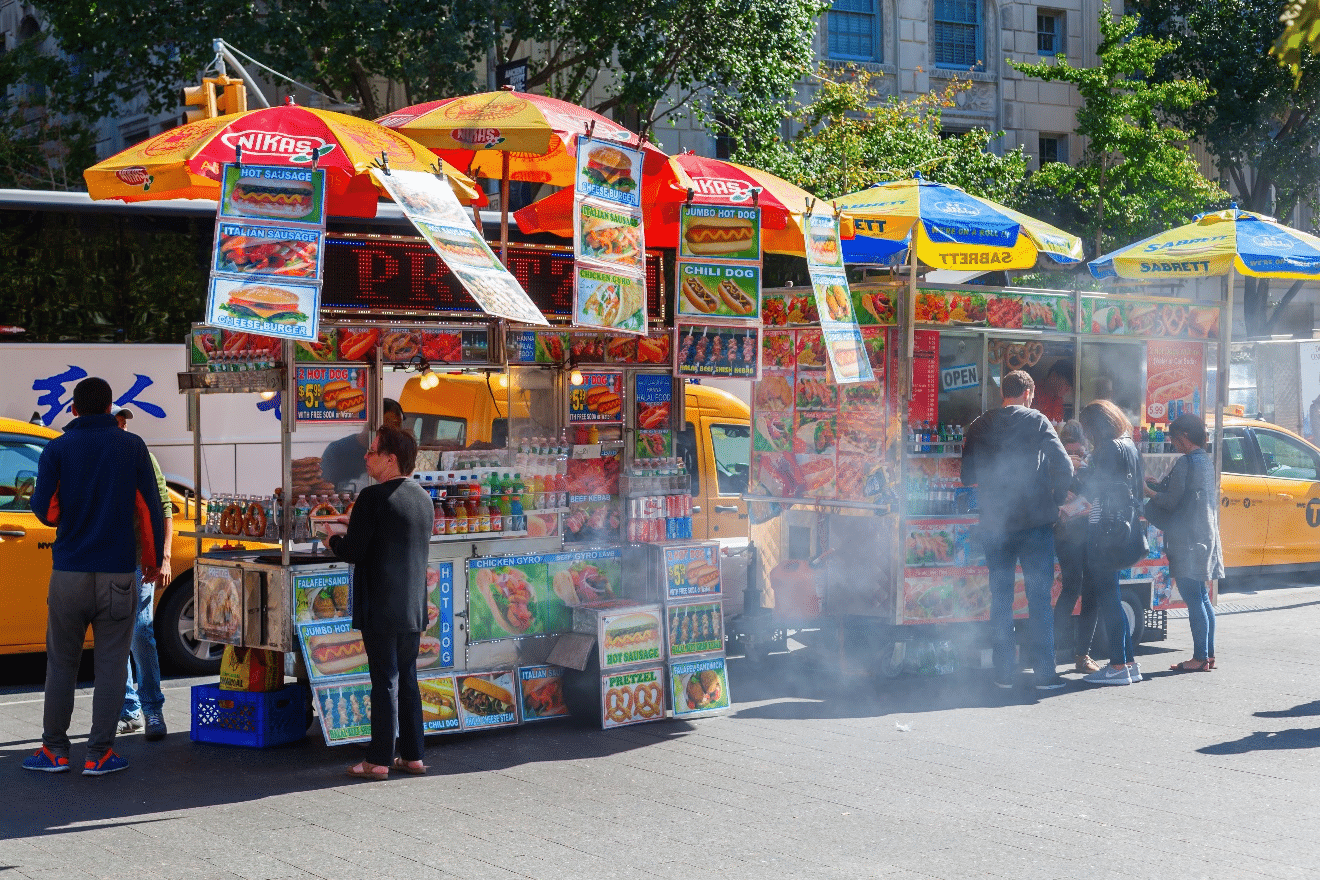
(1187, 505)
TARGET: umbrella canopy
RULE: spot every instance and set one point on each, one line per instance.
(713, 181)
(954, 229)
(186, 162)
(1210, 245)
(536, 134)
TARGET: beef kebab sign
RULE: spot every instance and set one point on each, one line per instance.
(432, 207)
(269, 244)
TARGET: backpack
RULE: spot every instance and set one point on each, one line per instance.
(1118, 536)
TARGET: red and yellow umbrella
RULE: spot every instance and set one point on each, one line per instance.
(713, 181)
(185, 162)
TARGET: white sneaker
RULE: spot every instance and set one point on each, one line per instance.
(1109, 675)
(131, 724)
(1134, 672)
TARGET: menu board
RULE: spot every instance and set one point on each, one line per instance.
(1173, 379)
(726, 290)
(695, 629)
(923, 405)
(632, 697)
(428, 202)
(690, 571)
(219, 603)
(344, 708)
(609, 238)
(558, 346)
(632, 636)
(1006, 311)
(598, 400)
(438, 638)
(814, 438)
(514, 596)
(1107, 316)
(941, 542)
(594, 509)
(485, 699)
(404, 345)
(834, 302)
(715, 349)
(439, 704)
(332, 394)
(719, 232)
(699, 687)
(268, 251)
(541, 690)
(332, 649)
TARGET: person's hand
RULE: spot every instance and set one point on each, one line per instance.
(165, 574)
(150, 573)
(341, 519)
(1150, 493)
(334, 527)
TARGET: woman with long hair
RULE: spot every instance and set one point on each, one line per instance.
(1114, 458)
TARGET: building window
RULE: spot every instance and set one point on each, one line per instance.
(1053, 148)
(957, 35)
(1049, 32)
(854, 31)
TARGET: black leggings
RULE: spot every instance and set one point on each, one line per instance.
(1072, 572)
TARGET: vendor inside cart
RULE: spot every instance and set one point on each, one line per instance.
(344, 460)
(1055, 397)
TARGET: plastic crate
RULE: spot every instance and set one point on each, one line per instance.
(1157, 625)
(243, 718)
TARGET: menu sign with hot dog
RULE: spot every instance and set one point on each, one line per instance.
(268, 250)
(431, 206)
(728, 290)
(598, 400)
(1173, 379)
(332, 649)
(631, 636)
(720, 232)
(332, 394)
(654, 395)
(691, 571)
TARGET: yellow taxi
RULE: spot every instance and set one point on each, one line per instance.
(25, 559)
(1269, 513)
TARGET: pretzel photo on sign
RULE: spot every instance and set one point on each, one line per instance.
(619, 704)
(649, 700)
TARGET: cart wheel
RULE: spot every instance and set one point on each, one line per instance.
(891, 659)
(1134, 615)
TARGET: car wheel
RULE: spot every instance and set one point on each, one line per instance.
(1134, 615)
(179, 650)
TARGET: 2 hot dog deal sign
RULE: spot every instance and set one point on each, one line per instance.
(598, 400)
(332, 394)
(267, 256)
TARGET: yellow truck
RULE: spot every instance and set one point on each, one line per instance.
(715, 440)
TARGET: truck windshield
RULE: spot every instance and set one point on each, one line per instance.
(732, 445)
(437, 430)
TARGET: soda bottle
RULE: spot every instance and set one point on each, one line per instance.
(516, 511)
(505, 506)
(460, 517)
(482, 510)
(523, 491)
(495, 515)
(451, 516)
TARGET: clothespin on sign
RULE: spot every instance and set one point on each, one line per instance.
(591, 128)
(811, 205)
(837, 212)
(691, 194)
(385, 161)
(238, 155)
(756, 195)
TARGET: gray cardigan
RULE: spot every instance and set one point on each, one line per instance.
(388, 540)
(1192, 538)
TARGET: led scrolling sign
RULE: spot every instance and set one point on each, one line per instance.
(406, 275)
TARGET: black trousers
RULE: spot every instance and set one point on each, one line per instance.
(396, 701)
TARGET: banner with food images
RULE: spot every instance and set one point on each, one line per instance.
(812, 437)
(719, 349)
(834, 302)
(528, 595)
(822, 240)
(1109, 316)
(541, 689)
(1173, 379)
(268, 251)
(431, 206)
(609, 238)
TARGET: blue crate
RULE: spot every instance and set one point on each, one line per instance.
(242, 718)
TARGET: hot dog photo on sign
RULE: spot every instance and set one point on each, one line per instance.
(271, 192)
(332, 649)
(719, 289)
(721, 232)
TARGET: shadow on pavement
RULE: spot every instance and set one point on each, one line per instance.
(1300, 711)
(1265, 740)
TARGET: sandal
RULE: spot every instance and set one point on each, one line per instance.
(366, 770)
(1210, 663)
(416, 768)
(1192, 665)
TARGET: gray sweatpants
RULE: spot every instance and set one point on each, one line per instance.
(108, 603)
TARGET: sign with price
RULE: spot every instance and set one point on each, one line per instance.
(598, 400)
(332, 394)
(691, 570)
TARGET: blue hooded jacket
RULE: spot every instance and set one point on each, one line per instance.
(91, 481)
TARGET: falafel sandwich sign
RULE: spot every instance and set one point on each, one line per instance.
(269, 245)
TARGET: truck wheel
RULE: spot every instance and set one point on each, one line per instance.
(175, 643)
(1134, 614)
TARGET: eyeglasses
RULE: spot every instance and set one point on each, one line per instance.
(373, 451)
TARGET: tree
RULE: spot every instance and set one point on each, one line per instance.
(1136, 176)
(850, 139)
(728, 58)
(1259, 120)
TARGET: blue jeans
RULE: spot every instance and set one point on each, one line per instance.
(143, 693)
(1201, 615)
(1034, 549)
(1105, 581)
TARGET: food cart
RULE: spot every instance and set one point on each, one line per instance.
(564, 550)
(863, 528)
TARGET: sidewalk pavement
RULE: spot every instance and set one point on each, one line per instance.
(811, 776)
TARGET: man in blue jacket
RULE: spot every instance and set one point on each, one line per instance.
(95, 484)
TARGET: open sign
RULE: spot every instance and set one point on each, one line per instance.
(954, 378)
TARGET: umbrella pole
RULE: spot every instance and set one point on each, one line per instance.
(504, 208)
(1221, 373)
(911, 314)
